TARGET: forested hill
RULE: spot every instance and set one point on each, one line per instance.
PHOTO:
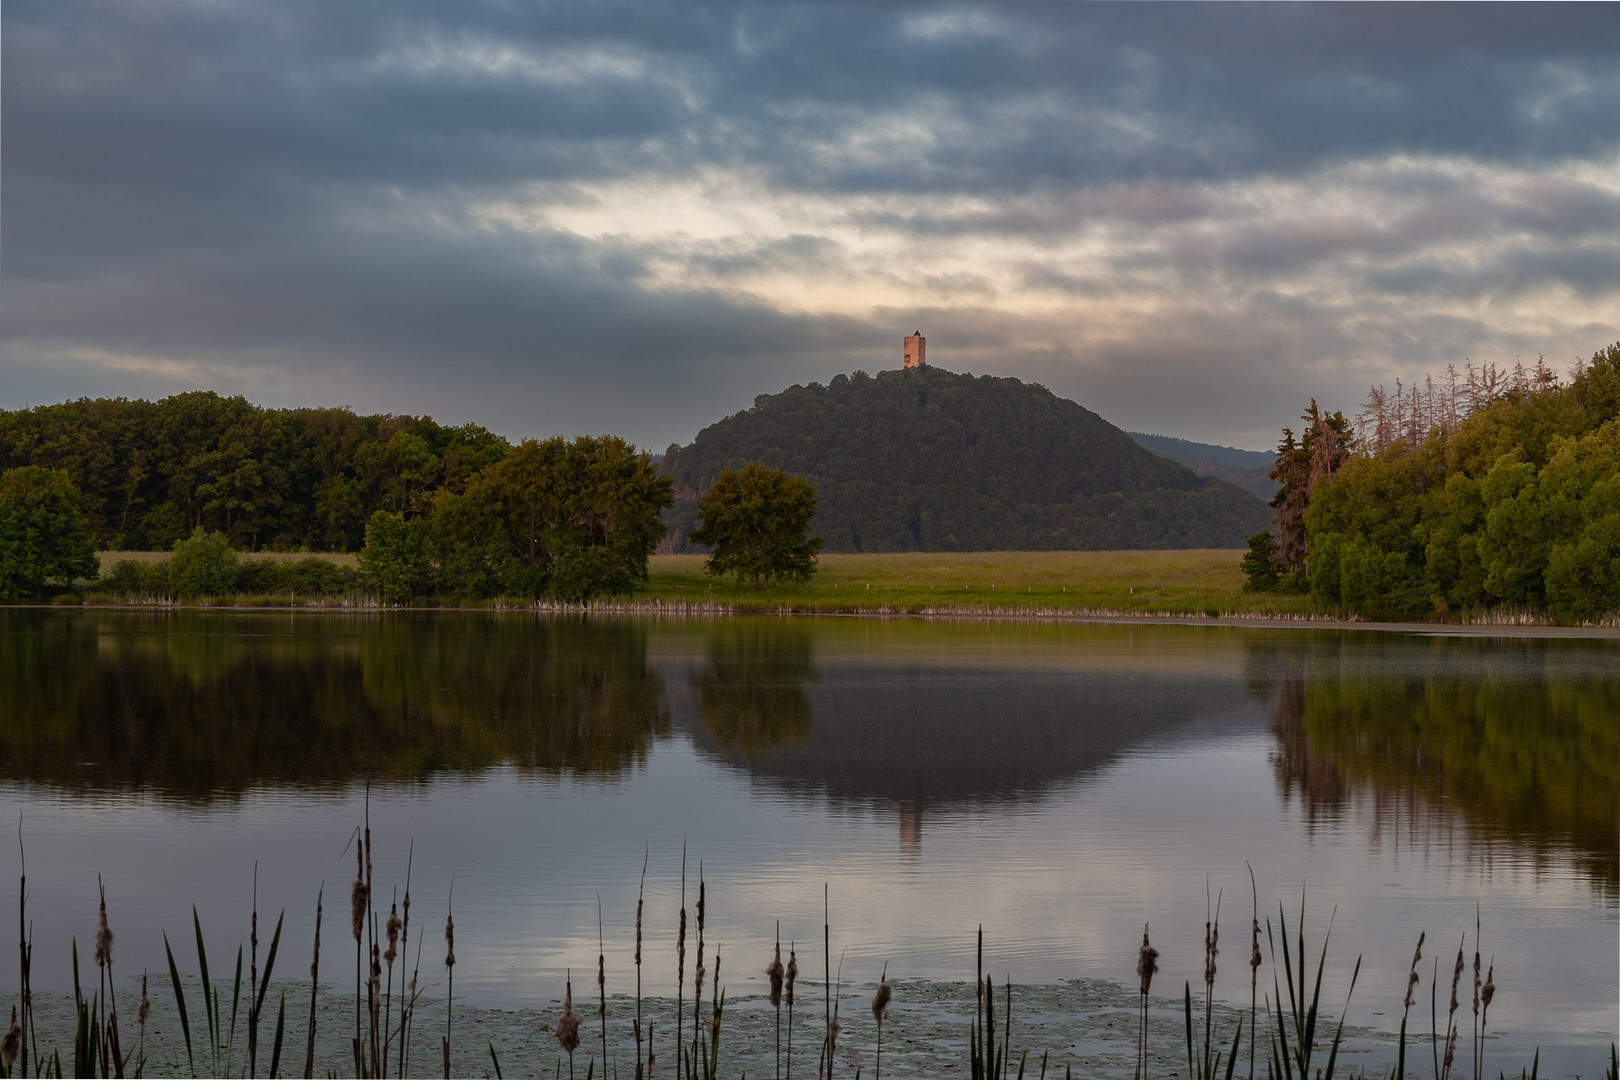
(1248, 469)
(930, 460)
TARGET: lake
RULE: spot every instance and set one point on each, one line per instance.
(1059, 783)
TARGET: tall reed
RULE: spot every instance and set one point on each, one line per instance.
(314, 985)
(449, 972)
(641, 897)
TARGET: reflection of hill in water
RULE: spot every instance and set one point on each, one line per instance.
(1516, 737)
(944, 737)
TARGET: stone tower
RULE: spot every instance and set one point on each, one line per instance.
(916, 351)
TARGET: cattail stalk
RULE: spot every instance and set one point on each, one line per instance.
(601, 982)
(1486, 993)
(789, 976)
(641, 896)
(1254, 967)
(142, 1012)
(392, 928)
(1147, 966)
(826, 986)
(404, 947)
(773, 971)
(450, 973)
(568, 1026)
(357, 928)
(110, 1049)
(1451, 1015)
(371, 930)
(880, 1009)
(1474, 1039)
(698, 972)
(23, 951)
(314, 986)
(253, 978)
(1212, 949)
(680, 976)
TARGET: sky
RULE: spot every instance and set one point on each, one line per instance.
(632, 216)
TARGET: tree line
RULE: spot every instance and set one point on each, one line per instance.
(149, 473)
(1504, 495)
(436, 512)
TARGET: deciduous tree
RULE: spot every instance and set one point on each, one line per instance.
(757, 521)
(44, 536)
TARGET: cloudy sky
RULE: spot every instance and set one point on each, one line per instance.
(634, 216)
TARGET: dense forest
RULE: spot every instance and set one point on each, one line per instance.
(150, 472)
(931, 460)
(1483, 489)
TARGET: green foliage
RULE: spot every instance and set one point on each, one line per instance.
(931, 460)
(757, 522)
(283, 479)
(393, 564)
(1518, 507)
(43, 533)
(566, 519)
(1293, 1028)
(202, 565)
(1261, 569)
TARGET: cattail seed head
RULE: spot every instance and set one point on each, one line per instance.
(1451, 1050)
(11, 1044)
(568, 1023)
(393, 926)
(449, 942)
(773, 971)
(698, 973)
(1212, 949)
(1488, 991)
(104, 937)
(357, 907)
(1456, 978)
(314, 964)
(702, 902)
(145, 1009)
(638, 935)
(790, 974)
(1147, 961)
(1254, 950)
(880, 1000)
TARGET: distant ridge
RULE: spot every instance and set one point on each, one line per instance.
(1248, 469)
(932, 460)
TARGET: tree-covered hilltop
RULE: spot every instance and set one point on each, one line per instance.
(149, 472)
(933, 460)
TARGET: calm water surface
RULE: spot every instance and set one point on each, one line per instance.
(1058, 783)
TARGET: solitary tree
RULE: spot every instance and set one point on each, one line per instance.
(756, 520)
(43, 533)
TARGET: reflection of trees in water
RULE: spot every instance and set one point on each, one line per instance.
(751, 696)
(192, 705)
(1510, 738)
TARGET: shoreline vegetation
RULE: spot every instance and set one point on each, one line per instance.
(1286, 1031)
(1201, 585)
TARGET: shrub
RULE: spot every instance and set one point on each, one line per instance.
(202, 565)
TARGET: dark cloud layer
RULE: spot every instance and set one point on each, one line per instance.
(370, 202)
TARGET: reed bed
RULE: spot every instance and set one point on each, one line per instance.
(208, 1026)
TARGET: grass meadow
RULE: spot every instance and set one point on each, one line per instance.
(1193, 582)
